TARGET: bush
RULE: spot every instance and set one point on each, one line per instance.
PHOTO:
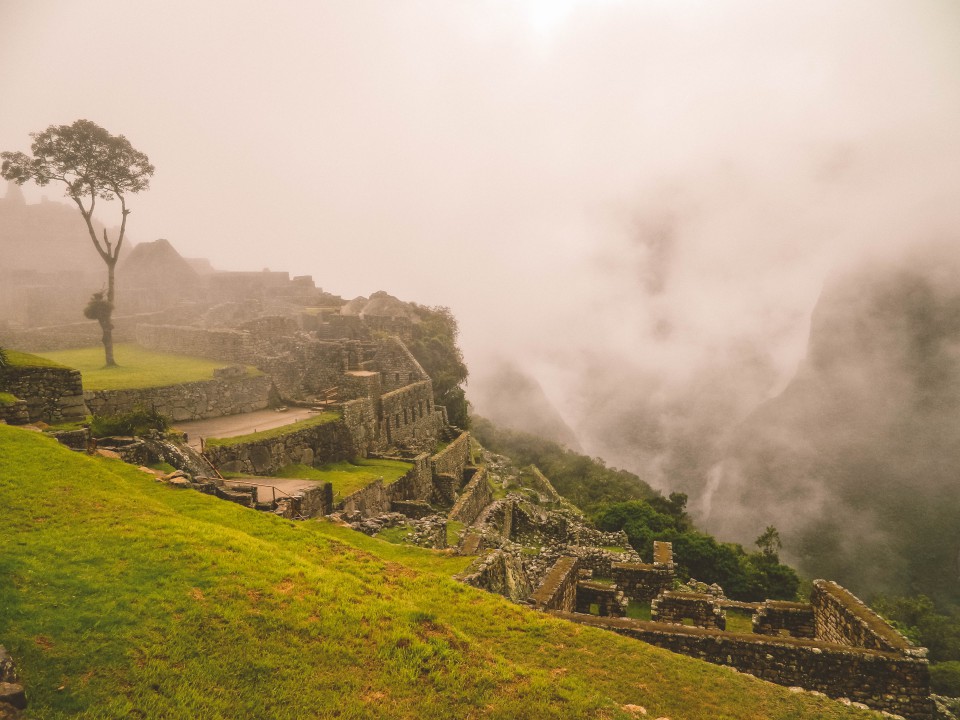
(945, 678)
(138, 422)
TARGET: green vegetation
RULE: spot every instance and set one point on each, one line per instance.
(586, 482)
(918, 618)
(743, 576)
(138, 422)
(3, 358)
(318, 419)
(395, 535)
(434, 345)
(348, 477)
(7, 398)
(22, 359)
(136, 367)
(454, 528)
(739, 621)
(127, 598)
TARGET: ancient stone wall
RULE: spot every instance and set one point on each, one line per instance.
(397, 366)
(641, 582)
(897, 683)
(360, 417)
(840, 617)
(702, 610)
(317, 444)
(14, 413)
(360, 384)
(498, 572)
(374, 499)
(609, 599)
(188, 401)
(599, 561)
(227, 345)
(541, 484)
(474, 498)
(407, 414)
(558, 590)
(53, 395)
(453, 458)
(779, 617)
(417, 484)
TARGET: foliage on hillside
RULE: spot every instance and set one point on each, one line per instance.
(587, 482)
(128, 598)
(434, 345)
(743, 576)
(619, 500)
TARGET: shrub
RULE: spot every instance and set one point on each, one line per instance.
(137, 422)
(945, 678)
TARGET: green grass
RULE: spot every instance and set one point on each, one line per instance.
(454, 528)
(638, 610)
(137, 367)
(125, 598)
(396, 534)
(7, 398)
(22, 359)
(349, 476)
(739, 621)
(318, 419)
(162, 467)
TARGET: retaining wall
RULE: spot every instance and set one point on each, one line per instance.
(53, 395)
(893, 682)
(15, 413)
(314, 445)
(189, 401)
(453, 458)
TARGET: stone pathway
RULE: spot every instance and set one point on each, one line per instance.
(233, 425)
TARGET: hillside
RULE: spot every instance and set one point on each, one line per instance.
(855, 462)
(127, 598)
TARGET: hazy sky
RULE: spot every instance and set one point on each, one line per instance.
(599, 186)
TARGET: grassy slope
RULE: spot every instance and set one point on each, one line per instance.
(137, 367)
(22, 359)
(125, 598)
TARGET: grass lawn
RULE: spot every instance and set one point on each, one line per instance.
(123, 597)
(348, 477)
(318, 419)
(21, 359)
(137, 367)
(7, 398)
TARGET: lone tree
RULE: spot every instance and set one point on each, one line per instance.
(93, 164)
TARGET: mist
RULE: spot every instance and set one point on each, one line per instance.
(636, 204)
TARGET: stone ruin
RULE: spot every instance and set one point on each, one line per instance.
(543, 555)
(13, 698)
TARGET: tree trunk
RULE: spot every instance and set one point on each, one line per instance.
(106, 322)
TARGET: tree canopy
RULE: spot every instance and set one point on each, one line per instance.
(93, 165)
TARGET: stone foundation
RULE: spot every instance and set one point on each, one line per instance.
(474, 498)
